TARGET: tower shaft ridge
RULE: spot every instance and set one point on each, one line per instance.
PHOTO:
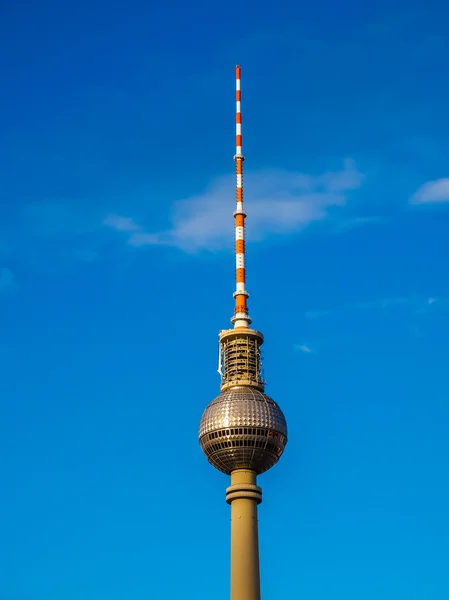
(243, 432)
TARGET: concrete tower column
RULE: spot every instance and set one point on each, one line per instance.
(244, 495)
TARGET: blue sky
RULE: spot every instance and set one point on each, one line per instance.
(116, 274)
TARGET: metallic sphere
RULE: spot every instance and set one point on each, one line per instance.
(243, 428)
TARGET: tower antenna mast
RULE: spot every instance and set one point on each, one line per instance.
(241, 317)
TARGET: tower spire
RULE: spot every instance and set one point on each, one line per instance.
(241, 317)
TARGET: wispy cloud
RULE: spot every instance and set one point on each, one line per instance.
(60, 219)
(355, 323)
(7, 281)
(416, 305)
(59, 232)
(280, 202)
(432, 192)
(377, 304)
(304, 348)
(51, 234)
(345, 224)
(55, 233)
(122, 223)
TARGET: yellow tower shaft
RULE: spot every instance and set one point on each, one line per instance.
(244, 495)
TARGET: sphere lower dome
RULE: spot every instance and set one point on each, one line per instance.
(243, 428)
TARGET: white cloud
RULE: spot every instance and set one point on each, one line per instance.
(432, 191)
(420, 305)
(121, 223)
(378, 303)
(303, 348)
(141, 238)
(345, 224)
(7, 282)
(55, 233)
(279, 202)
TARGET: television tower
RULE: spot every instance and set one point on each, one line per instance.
(243, 432)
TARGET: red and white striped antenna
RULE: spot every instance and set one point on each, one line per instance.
(241, 318)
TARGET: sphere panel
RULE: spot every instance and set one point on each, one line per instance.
(243, 428)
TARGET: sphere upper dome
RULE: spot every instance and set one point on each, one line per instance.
(243, 428)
